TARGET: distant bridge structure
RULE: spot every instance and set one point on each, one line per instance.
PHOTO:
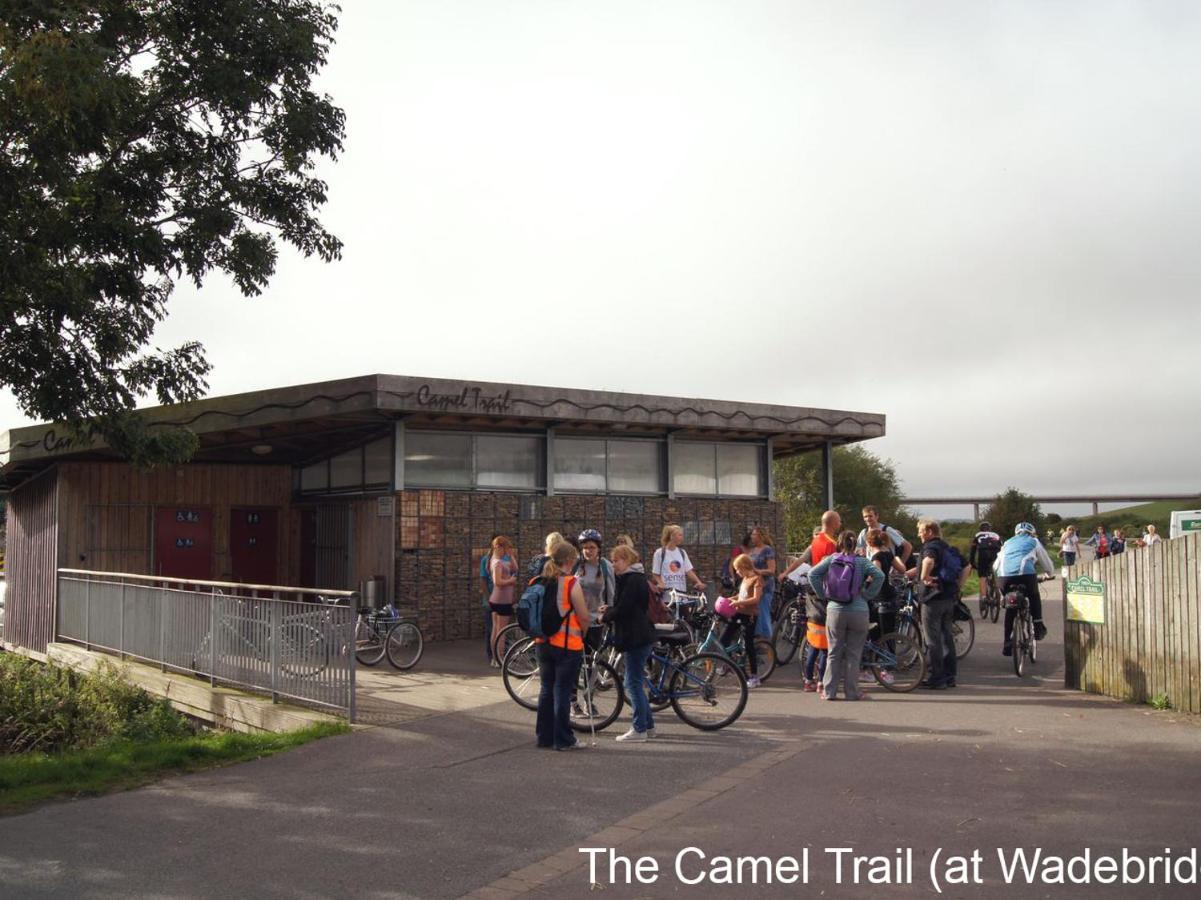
(1095, 499)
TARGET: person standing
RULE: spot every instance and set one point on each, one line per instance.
(560, 654)
(538, 562)
(750, 593)
(1117, 542)
(503, 571)
(847, 582)
(825, 542)
(632, 634)
(762, 552)
(1099, 542)
(1151, 536)
(1069, 546)
(942, 574)
(901, 548)
(671, 569)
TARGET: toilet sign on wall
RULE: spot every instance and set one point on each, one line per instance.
(1086, 600)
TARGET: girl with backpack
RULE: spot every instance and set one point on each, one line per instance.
(848, 582)
(750, 593)
(560, 654)
(671, 569)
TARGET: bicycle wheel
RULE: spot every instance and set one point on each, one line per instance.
(765, 658)
(598, 695)
(896, 662)
(509, 635)
(519, 672)
(708, 692)
(658, 677)
(302, 651)
(1033, 644)
(964, 633)
(368, 643)
(404, 645)
(786, 635)
(1019, 644)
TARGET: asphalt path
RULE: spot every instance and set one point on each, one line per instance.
(462, 802)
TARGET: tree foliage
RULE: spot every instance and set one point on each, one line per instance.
(1010, 508)
(142, 141)
(860, 479)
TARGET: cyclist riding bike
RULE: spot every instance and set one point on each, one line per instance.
(982, 554)
(1020, 558)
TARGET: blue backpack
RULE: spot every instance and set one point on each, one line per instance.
(950, 566)
(843, 579)
(538, 609)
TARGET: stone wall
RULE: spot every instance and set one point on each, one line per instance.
(441, 535)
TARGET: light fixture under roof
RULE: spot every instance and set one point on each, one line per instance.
(261, 449)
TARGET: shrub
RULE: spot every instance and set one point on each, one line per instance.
(49, 709)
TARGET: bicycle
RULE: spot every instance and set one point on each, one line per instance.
(896, 662)
(597, 685)
(1022, 640)
(386, 633)
(706, 690)
(302, 647)
(788, 629)
(765, 653)
(963, 626)
(990, 603)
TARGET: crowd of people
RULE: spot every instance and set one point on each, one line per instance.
(846, 572)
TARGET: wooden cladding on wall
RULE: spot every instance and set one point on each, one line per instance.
(106, 511)
(1150, 642)
(32, 555)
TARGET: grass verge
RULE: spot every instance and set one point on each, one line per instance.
(26, 779)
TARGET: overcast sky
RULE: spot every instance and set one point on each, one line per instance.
(980, 219)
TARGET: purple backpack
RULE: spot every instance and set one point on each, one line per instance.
(842, 579)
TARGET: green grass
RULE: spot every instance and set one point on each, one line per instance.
(1160, 701)
(30, 778)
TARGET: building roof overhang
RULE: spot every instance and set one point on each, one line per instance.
(306, 422)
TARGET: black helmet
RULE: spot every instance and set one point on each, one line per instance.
(590, 534)
(984, 526)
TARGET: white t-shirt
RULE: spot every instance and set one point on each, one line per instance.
(893, 535)
(673, 567)
(1151, 539)
(1070, 543)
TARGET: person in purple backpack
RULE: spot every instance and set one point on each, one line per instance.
(848, 582)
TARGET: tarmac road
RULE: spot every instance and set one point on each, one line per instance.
(462, 802)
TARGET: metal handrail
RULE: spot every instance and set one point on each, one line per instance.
(239, 585)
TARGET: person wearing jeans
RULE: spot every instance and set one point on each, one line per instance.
(938, 599)
(846, 622)
(558, 669)
(634, 635)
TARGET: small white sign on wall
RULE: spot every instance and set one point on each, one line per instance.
(385, 507)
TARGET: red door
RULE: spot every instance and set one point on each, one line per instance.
(253, 541)
(183, 542)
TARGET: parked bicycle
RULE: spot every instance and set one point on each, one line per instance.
(896, 661)
(963, 626)
(245, 634)
(384, 632)
(788, 626)
(765, 653)
(706, 690)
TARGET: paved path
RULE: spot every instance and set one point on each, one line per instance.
(449, 796)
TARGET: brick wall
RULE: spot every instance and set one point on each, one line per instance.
(441, 535)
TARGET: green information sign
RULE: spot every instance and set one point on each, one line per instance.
(1086, 600)
(1190, 524)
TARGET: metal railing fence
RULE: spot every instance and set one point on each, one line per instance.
(244, 635)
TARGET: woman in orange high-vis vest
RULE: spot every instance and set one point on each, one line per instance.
(560, 655)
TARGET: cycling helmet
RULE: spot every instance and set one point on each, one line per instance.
(590, 534)
(984, 526)
(1025, 528)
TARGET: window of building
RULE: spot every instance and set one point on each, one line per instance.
(365, 468)
(457, 460)
(717, 469)
(614, 467)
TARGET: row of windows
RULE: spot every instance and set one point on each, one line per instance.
(518, 462)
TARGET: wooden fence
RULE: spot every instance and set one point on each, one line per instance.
(1150, 642)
